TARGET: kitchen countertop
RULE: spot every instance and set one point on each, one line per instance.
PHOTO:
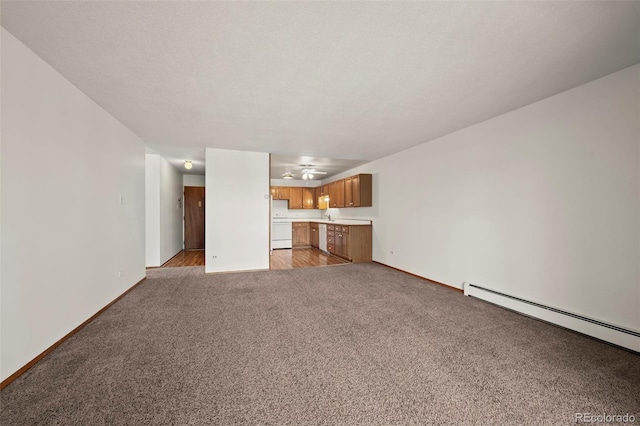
(337, 221)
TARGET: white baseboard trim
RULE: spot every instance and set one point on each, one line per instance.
(614, 334)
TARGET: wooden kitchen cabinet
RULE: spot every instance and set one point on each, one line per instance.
(348, 192)
(350, 242)
(342, 245)
(317, 193)
(336, 194)
(315, 235)
(280, 192)
(295, 198)
(358, 191)
(331, 239)
(353, 191)
(308, 198)
(300, 234)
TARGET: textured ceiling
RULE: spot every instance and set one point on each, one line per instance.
(351, 80)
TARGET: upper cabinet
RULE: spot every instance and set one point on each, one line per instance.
(353, 191)
(336, 194)
(308, 198)
(280, 192)
(295, 199)
(358, 191)
(299, 197)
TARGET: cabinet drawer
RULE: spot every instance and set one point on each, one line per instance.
(300, 224)
(331, 240)
(331, 233)
(344, 229)
(331, 248)
(331, 227)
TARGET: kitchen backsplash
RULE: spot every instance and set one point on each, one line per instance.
(279, 208)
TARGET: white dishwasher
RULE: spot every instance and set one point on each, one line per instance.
(322, 229)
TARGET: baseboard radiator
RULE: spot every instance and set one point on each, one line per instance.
(619, 336)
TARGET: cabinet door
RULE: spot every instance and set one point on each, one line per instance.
(297, 239)
(336, 194)
(295, 198)
(315, 235)
(348, 191)
(284, 192)
(342, 244)
(317, 193)
(308, 198)
(355, 190)
(345, 246)
(339, 193)
(300, 231)
(274, 192)
(331, 191)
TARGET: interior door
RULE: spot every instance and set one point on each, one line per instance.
(194, 217)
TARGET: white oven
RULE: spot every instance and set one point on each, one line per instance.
(281, 234)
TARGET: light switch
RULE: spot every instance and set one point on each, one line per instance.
(199, 203)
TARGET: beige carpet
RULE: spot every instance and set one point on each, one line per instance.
(356, 344)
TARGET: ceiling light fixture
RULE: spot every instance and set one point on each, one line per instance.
(287, 175)
(307, 175)
(187, 164)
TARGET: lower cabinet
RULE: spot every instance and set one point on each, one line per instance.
(300, 234)
(342, 244)
(350, 242)
(315, 235)
(331, 239)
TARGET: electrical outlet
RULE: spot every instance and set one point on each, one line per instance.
(392, 252)
(215, 257)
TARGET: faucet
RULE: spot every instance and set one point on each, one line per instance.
(328, 216)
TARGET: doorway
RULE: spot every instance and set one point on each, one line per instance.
(194, 209)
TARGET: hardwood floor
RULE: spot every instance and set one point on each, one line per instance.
(186, 258)
(302, 258)
(280, 259)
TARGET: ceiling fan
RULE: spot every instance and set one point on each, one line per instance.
(308, 171)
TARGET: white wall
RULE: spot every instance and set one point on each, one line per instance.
(171, 223)
(193, 180)
(542, 203)
(280, 208)
(66, 163)
(163, 210)
(237, 210)
(152, 209)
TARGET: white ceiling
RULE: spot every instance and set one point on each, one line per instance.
(348, 80)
